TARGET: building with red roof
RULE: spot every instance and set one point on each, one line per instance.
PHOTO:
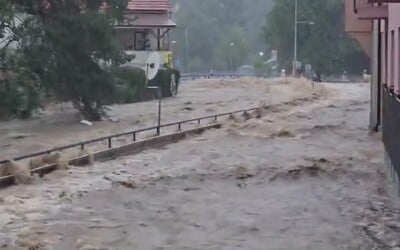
(145, 29)
(149, 6)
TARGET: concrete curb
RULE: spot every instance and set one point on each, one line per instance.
(112, 153)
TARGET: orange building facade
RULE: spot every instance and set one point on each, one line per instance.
(375, 24)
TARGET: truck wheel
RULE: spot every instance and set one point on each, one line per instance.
(173, 86)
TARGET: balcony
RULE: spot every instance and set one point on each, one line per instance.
(371, 9)
(359, 29)
(383, 1)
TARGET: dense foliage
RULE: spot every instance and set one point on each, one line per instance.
(323, 44)
(58, 46)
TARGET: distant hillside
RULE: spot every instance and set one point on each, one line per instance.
(213, 25)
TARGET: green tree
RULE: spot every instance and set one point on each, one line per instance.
(232, 49)
(19, 86)
(63, 43)
(323, 44)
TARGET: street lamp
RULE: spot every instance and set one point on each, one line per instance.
(231, 61)
(295, 38)
(187, 47)
(296, 22)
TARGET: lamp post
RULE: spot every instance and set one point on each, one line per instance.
(186, 47)
(187, 50)
(296, 22)
(295, 38)
(231, 61)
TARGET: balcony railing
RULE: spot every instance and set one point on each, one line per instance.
(383, 1)
(371, 9)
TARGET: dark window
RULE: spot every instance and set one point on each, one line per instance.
(142, 41)
(398, 59)
(392, 51)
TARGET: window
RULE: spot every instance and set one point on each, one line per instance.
(398, 60)
(392, 53)
(383, 58)
(140, 40)
(125, 39)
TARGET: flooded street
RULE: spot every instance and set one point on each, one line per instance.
(198, 98)
(305, 175)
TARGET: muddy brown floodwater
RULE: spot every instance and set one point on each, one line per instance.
(57, 127)
(306, 175)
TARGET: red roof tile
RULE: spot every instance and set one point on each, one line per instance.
(151, 20)
(149, 5)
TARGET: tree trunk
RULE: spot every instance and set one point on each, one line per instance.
(89, 110)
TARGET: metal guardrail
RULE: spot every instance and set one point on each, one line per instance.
(195, 76)
(133, 133)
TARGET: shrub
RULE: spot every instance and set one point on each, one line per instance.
(19, 96)
(129, 82)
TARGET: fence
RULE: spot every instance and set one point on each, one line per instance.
(133, 134)
(194, 76)
(390, 128)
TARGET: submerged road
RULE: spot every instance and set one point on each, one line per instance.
(304, 176)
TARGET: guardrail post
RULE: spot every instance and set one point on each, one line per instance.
(134, 136)
(82, 146)
(109, 142)
(179, 126)
(159, 109)
(198, 121)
